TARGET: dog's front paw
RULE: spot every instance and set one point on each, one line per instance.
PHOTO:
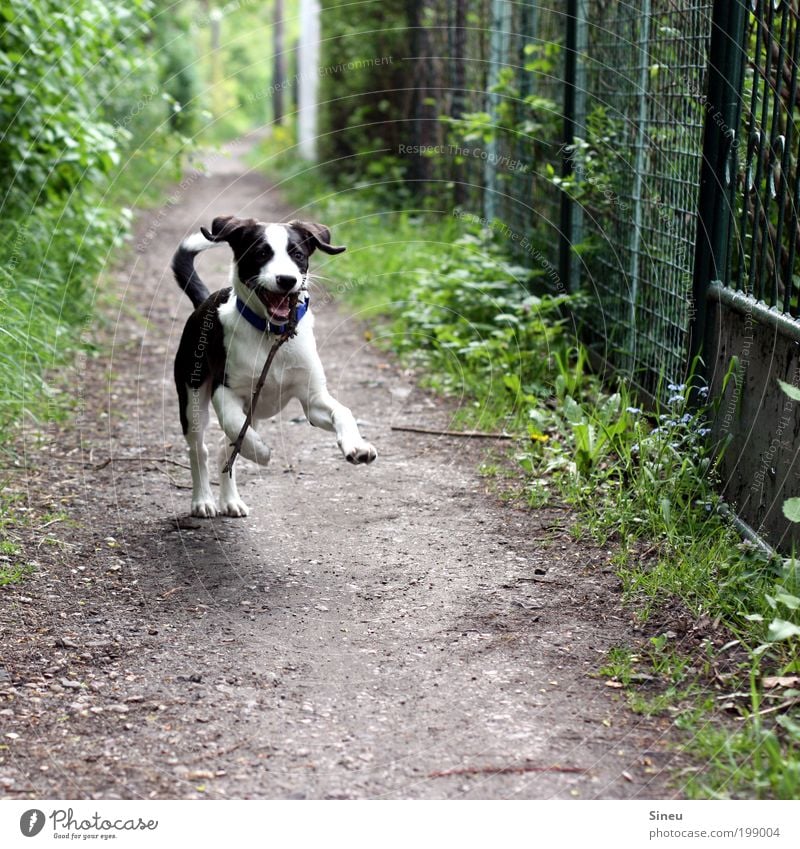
(204, 508)
(361, 453)
(234, 507)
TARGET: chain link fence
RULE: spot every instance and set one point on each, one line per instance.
(581, 126)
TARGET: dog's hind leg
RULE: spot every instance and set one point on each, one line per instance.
(195, 417)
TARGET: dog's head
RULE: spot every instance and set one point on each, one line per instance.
(271, 259)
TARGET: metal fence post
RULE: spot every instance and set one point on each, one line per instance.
(498, 58)
(458, 54)
(638, 182)
(571, 224)
(722, 104)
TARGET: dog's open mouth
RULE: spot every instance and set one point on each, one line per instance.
(278, 306)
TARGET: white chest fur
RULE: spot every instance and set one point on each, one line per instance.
(247, 349)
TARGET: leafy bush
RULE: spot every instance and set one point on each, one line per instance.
(480, 328)
(83, 106)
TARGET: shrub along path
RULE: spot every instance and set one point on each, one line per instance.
(388, 631)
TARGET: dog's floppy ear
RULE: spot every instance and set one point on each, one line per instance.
(316, 236)
(223, 228)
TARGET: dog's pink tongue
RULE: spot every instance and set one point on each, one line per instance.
(278, 306)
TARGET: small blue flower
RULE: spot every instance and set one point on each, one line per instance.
(634, 411)
(704, 431)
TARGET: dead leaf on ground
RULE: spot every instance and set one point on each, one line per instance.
(773, 681)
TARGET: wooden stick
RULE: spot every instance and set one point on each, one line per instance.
(784, 705)
(291, 329)
(506, 770)
(469, 434)
(110, 460)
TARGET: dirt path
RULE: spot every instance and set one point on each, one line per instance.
(362, 632)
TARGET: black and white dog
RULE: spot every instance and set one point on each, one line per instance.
(228, 336)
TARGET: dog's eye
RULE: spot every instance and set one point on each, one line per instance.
(298, 255)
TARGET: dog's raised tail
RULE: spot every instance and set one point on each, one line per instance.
(183, 267)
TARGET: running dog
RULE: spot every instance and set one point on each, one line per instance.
(227, 338)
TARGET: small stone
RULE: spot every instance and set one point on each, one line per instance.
(200, 773)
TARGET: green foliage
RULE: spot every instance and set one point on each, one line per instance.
(364, 88)
(84, 106)
(480, 329)
(758, 760)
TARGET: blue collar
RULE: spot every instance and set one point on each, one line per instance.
(262, 324)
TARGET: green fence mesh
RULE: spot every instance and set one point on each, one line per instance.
(638, 112)
(766, 189)
(617, 212)
(637, 164)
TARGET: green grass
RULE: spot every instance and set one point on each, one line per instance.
(13, 567)
(757, 761)
(51, 283)
(13, 574)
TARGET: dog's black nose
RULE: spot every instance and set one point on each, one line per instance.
(285, 281)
